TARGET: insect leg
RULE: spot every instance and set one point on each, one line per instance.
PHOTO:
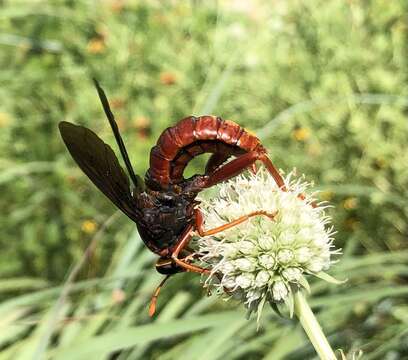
(215, 161)
(272, 170)
(181, 244)
(153, 300)
(241, 163)
(200, 220)
(247, 161)
(268, 163)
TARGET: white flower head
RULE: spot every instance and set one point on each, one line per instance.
(264, 258)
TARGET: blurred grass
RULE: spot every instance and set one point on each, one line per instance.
(324, 85)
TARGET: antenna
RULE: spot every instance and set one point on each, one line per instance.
(102, 96)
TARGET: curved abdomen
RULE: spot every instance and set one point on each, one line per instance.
(191, 137)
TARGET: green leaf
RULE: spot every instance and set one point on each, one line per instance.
(304, 283)
(119, 339)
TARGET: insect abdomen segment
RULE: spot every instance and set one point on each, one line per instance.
(193, 136)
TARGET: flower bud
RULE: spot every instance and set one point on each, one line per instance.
(244, 264)
(246, 247)
(244, 281)
(262, 278)
(315, 265)
(226, 267)
(279, 290)
(285, 256)
(266, 242)
(287, 238)
(253, 295)
(229, 250)
(292, 274)
(229, 282)
(267, 261)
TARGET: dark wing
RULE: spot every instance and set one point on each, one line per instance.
(98, 161)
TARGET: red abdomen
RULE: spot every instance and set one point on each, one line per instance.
(191, 137)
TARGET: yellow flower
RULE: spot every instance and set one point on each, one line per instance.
(301, 134)
(88, 226)
(96, 45)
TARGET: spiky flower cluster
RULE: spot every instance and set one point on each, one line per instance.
(264, 259)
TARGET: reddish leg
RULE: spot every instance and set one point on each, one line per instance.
(272, 170)
(183, 242)
(200, 220)
(153, 301)
(215, 161)
(241, 163)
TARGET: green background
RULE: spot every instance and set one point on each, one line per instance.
(322, 83)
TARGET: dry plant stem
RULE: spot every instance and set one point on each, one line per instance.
(312, 327)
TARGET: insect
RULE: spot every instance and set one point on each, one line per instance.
(164, 206)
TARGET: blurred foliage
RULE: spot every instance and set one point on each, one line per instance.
(325, 86)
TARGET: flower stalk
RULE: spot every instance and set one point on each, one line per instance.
(312, 327)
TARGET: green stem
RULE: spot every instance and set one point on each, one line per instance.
(312, 327)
